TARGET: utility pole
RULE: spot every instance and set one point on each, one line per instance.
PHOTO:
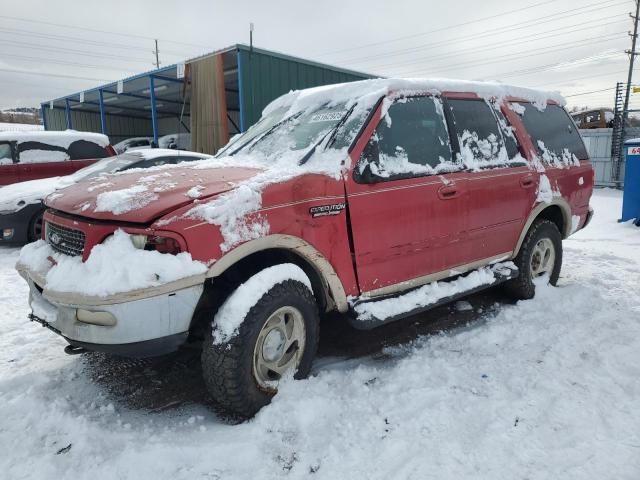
(157, 54)
(632, 55)
(251, 37)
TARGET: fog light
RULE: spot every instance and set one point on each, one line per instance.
(139, 241)
(104, 319)
(7, 233)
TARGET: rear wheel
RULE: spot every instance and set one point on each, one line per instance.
(278, 336)
(540, 257)
(35, 227)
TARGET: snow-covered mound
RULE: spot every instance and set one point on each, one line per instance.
(543, 389)
(112, 267)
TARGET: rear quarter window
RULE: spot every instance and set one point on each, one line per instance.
(553, 134)
(84, 150)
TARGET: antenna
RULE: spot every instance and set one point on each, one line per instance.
(251, 36)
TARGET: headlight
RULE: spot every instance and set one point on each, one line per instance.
(139, 241)
(155, 242)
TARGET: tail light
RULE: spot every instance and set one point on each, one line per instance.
(111, 151)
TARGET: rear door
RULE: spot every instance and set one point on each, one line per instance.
(9, 171)
(501, 186)
(38, 159)
(407, 198)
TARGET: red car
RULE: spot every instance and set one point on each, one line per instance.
(33, 155)
(379, 199)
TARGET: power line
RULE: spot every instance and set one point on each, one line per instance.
(406, 37)
(526, 54)
(30, 33)
(61, 62)
(36, 46)
(589, 93)
(57, 75)
(508, 43)
(94, 30)
(502, 29)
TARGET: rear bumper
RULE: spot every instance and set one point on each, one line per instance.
(140, 327)
(19, 223)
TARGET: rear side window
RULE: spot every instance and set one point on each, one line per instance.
(482, 144)
(6, 153)
(411, 140)
(84, 150)
(553, 134)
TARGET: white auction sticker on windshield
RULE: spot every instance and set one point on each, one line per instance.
(327, 117)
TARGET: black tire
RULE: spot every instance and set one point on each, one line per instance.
(35, 227)
(228, 368)
(523, 287)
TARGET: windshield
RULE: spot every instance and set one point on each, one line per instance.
(106, 165)
(276, 134)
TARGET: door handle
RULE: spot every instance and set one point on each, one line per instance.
(448, 192)
(527, 182)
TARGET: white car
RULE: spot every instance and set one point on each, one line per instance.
(134, 142)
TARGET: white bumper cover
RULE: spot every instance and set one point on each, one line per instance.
(133, 320)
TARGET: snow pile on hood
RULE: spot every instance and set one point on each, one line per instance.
(137, 196)
(113, 266)
(428, 294)
(237, 306)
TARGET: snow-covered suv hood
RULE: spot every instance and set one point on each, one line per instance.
(144, 196)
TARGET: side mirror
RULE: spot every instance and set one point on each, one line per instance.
(370, 155)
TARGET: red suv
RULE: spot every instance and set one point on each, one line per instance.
(379, 199)
(33, 155)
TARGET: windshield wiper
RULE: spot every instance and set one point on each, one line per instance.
(259, 138)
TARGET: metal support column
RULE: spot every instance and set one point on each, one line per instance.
(67, 111)
(44, 116)
(103, 118)
(240, 91)
(154, 112)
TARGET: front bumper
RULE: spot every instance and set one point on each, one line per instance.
(19, 222)
(140, 327)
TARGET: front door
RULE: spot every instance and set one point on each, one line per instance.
(407, 198)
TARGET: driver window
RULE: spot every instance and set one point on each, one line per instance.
(411, 140)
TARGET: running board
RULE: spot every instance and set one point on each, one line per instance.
(360, 319)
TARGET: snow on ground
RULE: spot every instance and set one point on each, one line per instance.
(546, 388)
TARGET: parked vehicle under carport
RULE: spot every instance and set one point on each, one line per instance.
(22, 207)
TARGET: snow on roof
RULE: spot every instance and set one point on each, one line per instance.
(60, 139)
(369, 91)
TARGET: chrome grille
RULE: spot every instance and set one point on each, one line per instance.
(64, 240)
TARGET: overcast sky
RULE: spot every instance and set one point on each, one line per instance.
(52, 48)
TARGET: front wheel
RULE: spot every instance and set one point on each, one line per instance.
(278, 336)
(35, 227)
(540, 258)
